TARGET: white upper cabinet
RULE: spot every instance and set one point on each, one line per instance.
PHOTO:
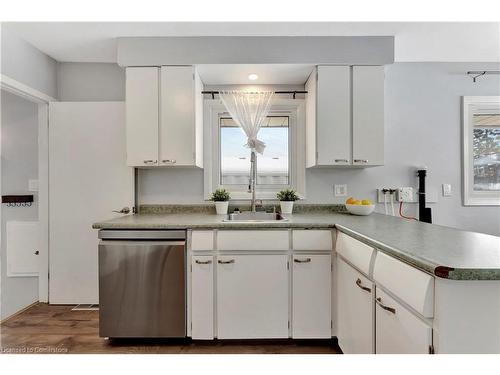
(142, 90)
(164, 116)
(345, 116)
(368, 115)
(181, 117)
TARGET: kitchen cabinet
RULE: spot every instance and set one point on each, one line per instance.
(355, 310)
(142, 109)
(252, 296)
(311, 296)
(368, 115)
(345, 116)
(399, 331)
(181, 125)
(202, 297)
(164, 116)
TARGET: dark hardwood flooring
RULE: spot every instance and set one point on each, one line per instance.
(56, 329)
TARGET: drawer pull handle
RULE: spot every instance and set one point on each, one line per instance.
(203, 261)
(358, 283)
(307, 260)
(387, 308)
(341, 161)
(172, 161)
(226, 261)
(361, 160)
(150, 161)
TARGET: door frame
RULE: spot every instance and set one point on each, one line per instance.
(42, 100)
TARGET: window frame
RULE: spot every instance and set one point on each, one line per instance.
(295, 109)
(470, 106)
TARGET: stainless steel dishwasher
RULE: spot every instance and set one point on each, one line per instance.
(142, 283)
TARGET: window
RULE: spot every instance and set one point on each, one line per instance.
(227, 159)
(272, 166)
(481, 150)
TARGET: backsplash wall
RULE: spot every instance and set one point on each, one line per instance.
(422, 127)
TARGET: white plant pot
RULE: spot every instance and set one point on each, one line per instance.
(286, 207)
(221, 207)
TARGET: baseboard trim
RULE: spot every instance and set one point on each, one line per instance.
(19, 312)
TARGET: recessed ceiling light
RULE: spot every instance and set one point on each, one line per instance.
(253, 77)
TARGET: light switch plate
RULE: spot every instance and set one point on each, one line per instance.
(340, 190)
(446, 190)
(33, 185)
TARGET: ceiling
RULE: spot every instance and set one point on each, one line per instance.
(414, 41)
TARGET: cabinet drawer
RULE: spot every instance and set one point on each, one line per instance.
(354, 251)
(253, 240)
(399, 331)
(312, 240)
(202, 240)
(413, 286)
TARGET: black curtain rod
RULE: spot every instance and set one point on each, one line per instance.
(213, 93)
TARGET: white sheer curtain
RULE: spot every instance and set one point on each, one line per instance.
(249, 111)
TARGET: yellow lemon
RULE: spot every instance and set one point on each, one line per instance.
(366, 202)
(357, 203)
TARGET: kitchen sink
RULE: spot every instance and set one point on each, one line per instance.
(254, 217)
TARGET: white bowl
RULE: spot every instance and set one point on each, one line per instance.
(361, 210)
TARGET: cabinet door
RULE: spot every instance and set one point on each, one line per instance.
(368, 115)
(355, 310)
(202, 297)
(311, 296)
(252, 296)
(142, 116)
(177, 129)
(399, 331)
(333, 115)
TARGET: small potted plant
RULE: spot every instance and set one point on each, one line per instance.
(221, 198)
(287, 197)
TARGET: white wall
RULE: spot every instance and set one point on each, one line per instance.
(19, 163)
(26, 64)
(423, 125)
(90, 82)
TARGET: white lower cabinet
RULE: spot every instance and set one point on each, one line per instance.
(252, 296)
(311, 296)
(399, 331)
(355, 310)
(202, 297)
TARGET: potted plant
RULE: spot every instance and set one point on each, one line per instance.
(221, 198)
(287, 197)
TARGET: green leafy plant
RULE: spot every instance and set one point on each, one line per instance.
(287, 195)
(220, 195)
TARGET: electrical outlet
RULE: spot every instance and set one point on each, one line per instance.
(405, 194)
(33, 185)
(340, 190)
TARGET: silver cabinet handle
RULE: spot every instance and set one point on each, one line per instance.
(225, 261)
(150, 161)
(203, 262)
(169, 161)
(341, 161)
(361, 160)
(387, 308)
(365, 288)
(307, 260)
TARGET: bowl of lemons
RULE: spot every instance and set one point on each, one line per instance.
(362, 207)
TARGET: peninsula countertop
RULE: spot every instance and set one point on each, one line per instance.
(442, 251)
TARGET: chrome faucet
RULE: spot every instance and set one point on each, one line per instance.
(253, 178)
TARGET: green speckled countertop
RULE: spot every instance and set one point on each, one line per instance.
(445, 252)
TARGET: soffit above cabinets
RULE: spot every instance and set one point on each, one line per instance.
(268, 74)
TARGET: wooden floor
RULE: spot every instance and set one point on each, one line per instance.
(56, 329)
